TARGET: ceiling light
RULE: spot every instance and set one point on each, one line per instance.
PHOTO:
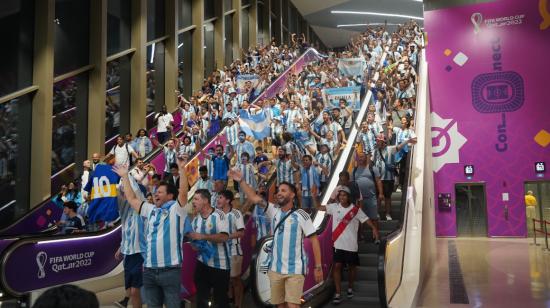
(181, 44)
(377, 14)
(370, 24)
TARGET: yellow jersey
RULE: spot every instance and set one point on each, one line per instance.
(530, 200)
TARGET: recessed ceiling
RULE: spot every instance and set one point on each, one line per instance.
(318, 14)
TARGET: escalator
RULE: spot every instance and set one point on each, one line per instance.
(37, 261)
(316, 295)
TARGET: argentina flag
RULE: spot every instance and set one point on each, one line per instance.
(256, 125)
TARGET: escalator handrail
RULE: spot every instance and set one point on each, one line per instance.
(147, 157)
(403, 219)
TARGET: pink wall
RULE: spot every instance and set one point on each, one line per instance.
(489, 85)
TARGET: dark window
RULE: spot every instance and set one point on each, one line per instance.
(245, 2)
(15, 130)
(155, 79)
(209, 9)
(118, 25)
(184, 14)
(117, 109)
(155, 19)
(228, 39)
(69, 130)
(209, 49)
(227, 5)
(244, 28)
(72, 20)
(16, 31)
(184, 62)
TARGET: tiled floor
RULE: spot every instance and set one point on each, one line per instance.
(496, 273)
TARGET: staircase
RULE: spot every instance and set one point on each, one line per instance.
(366, 281)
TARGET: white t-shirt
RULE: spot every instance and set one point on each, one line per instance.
(163, 121)
(348, 239)
(122, 154)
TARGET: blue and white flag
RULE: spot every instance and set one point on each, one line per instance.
(256, 125)
(352, 66)
(247, 80)
(352, 95)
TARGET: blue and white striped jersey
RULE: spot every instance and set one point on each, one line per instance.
(285, 171)
(401, 135)
(334, 127)
(385, 162)
(325, 160)
(263, 224)
(209, 163)
(165, 231)
(288, 240)
(236, 223)
(215, 223)
(205, 184)
(133, 229)
(247, 147)
(309, 177)
(232, 134)
(248, 174)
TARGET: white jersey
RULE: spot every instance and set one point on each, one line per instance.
(236, 223)
(288, 240)
(215, 223)
(348, 239)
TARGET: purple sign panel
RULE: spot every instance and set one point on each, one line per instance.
(487, 100)
(36, 221)
(44, 264)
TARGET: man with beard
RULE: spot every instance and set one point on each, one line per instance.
(210, 229)
(285, 166)
(287, 267)
(204, 181)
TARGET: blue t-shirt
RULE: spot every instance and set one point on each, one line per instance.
(103, 194)
(259, 159)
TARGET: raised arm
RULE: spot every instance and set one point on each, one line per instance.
(131, 197)
(250, 193)
(184, 182)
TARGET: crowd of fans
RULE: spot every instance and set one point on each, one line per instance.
(307, 134)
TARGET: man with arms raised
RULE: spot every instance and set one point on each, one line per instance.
(165, 230)
(287, 268)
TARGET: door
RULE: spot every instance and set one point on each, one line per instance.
(471, 209)
(541, 192)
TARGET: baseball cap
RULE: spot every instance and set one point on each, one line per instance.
(344, 189)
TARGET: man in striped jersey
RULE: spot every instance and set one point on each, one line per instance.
(210, 227)
(166, 221)
(288, 265)
(285, 166)
(328, 124)
(248, 171)
(132, 247)
(204, 181)
(309, 182)
(323, 160)
(236, 232)
(231, 131)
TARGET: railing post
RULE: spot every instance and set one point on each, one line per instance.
(545, 234)
(534, 232)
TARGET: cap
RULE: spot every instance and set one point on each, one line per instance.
(344, 189)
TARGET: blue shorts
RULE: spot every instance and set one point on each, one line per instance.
(133, 271)
(370, 207)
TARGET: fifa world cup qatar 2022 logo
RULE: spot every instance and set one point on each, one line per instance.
(498, 92)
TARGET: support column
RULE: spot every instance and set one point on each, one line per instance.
(171, 55)
(253, 23)
(42, 102)
(237, 34)
(138, 96)
(97, 77)
(198, 44)
(219, 36)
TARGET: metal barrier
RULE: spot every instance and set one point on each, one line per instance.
(543, 230)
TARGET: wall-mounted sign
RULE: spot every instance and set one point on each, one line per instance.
(469, 170)
(444, 201)
(540, 167)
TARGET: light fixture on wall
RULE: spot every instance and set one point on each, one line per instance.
(179, 46)
(152, 53)
(377, 14)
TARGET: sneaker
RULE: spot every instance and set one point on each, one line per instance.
(336, 300)
(350, 294)
(388, 217)
(123, 303)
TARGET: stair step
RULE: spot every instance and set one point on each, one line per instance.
(357, 301)
(367, 247)
(364, 273)
(368, 259)
(361, 288)
(383, 233)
